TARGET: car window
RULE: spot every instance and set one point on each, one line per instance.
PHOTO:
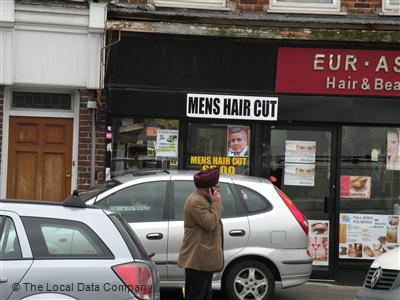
(50, 238)
(9, 243)
(138, 203)
(182, 189)
(254, 201)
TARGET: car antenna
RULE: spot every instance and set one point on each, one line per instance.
(74, 200)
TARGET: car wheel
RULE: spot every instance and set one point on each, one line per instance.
(249, 279)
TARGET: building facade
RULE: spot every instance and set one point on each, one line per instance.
(305, 93)
(51, 67)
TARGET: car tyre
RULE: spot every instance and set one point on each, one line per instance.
(249, 279)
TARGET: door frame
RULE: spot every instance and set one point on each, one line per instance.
(331, 206)
(8, 111)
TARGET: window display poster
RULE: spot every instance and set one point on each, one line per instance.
(364, 236)
(299, 174)
(167, 143)
(356, 187)
(318, 242)
(227, 165)
(238, 141)
(393, 149)
(300, 151)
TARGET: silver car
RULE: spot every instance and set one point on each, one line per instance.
(265, 235)
(55, 251)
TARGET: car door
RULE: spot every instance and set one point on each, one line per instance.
(142, 204)
(235, 223)
(14, 259)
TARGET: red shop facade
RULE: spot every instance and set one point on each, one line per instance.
(321, 118)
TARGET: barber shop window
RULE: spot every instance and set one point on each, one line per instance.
(370, 170)
(219, 145)
(139, 143)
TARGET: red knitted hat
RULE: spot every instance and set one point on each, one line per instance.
(206, 178)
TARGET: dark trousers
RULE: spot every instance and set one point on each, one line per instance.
(198, 285)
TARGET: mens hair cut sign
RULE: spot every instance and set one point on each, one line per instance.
(232, 107)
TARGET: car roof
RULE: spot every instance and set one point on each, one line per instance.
(182, 174)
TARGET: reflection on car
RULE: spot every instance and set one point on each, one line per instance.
(265, 235)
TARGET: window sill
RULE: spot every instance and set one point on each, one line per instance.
(322, 11)
(390, 13)
(208, 6)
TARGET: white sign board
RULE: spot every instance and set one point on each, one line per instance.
(363, 236)
(232, 107)
(167, 143)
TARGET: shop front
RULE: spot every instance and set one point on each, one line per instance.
(321, 126)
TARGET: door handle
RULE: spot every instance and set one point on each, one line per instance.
(237, 232)
(154, 236)
(3, 279)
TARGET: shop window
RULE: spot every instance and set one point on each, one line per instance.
(391, 7)
(305, 6)
(369, 192)
(204, 4)
(144, 144)
(216, 145)
(370, 170)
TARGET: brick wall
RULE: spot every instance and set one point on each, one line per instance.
(366, 7)
(85, 140)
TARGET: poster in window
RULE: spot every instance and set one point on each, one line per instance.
(393, 149)
(363, 236)
(238, 141)
(318, 242)
(167, 143)
(299, 174)
(300, 151)
(355, 187)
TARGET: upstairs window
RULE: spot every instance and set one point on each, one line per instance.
(202, 4)
(305, 6)
(391, 7)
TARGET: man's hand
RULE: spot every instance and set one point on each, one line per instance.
(214, 195)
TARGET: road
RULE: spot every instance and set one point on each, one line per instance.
(309, 291)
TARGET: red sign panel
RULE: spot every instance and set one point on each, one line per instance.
(338, 71)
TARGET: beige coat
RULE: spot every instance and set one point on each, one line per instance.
(202, 241)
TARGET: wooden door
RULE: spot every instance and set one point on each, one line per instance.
(39, 158)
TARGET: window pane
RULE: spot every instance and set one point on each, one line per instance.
(50, 238)
(182, 189)
(370, 170)
(9, 243)
(226, 146)
(140, 143)
(66, 241)
(138, 203)
(41, 100)
(254, 202)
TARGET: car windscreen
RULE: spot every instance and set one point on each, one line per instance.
(97, 189)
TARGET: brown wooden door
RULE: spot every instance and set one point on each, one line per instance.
(39, 158)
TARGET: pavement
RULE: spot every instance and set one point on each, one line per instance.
(309, 291)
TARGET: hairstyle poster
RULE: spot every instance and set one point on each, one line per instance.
(238, 141)
(318, 242)
(393, 149)
(367, 236)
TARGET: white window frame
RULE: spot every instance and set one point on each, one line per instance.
(390, 9)
(305, 8)
(196, 4)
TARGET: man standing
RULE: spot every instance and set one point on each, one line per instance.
(201, 252)
(237, 141)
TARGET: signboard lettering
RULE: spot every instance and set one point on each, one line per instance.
(338, 71)
(232, 107)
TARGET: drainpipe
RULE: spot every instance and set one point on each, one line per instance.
(92, 107)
